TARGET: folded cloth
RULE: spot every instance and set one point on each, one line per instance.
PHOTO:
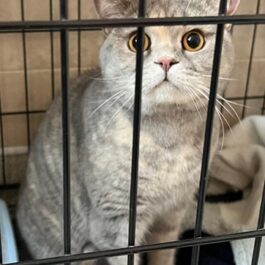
(238, 166)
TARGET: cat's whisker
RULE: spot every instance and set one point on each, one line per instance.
(228, 102)
(222, 105)
(105, 96)
(192, 96)
(221, 78)
(234, 103)
(107, 79)
(220, 116)
(118, 98)
(231, 107)
(119, 93)
(223, 128)
(222, 98)
(206, 96)
(228, 124)
(219, 102)
(237, 104)
(222, 125)
(206, 90)
(96, 75)
(188, 6)
(117, 112)
(131, 106)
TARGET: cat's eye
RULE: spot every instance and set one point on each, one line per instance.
(193, 41)
(132, 42)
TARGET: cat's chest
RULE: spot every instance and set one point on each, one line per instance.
(168, 152)
(166, 162)
(167, 174)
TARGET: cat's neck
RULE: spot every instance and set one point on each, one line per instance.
(172, 128)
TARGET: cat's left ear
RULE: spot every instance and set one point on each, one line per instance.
(232, 6)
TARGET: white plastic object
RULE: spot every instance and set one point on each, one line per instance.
(8, 243)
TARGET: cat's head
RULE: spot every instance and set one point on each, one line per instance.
(177, 59)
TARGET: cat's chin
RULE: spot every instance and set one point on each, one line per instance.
(168, 93)
(165, 96)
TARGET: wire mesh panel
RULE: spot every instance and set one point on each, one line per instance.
(60, 32)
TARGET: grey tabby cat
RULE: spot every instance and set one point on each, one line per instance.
(176, 77)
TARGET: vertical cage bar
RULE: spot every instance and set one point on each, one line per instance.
(258, 241)
(25, 66)
(52, 52)
(263, 106)
(79, 40)
(250, 64)
(2, 144)
(208, 133)
(136, 132)
(66, 132)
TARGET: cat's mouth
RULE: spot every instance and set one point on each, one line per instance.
(165, 88)
(166, 83)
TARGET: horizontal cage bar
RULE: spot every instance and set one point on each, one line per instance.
(146, 248)
(131, 22)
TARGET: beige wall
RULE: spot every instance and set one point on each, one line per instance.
(243, 36)
(38, 59)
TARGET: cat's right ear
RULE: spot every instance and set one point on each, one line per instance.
(232, 6)
(114, 8)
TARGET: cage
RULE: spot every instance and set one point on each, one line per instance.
(43, 43)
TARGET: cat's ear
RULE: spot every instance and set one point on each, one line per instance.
(114, 8)
(232, 6)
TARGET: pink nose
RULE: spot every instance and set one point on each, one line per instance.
(166, 63)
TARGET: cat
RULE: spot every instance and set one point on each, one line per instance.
(176, 79)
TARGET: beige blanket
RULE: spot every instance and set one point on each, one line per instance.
(240, 165)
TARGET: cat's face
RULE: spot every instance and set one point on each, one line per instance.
(177, 60)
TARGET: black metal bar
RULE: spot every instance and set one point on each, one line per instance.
(9, 187)
(249, 98)
(250, 62)
(95, 24)
(52, 52)
(258, 241)
(66, 131)
(208, 133)
(25, 65)
(79, 35)
(145, 248)
(136, 132)
(22, 112)
(44, 30)
(263, 106)
(2, 143)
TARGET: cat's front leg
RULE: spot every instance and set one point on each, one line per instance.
(89, 248)
(166, 229)
(112, 233)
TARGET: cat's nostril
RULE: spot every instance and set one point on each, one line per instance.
(166, 63)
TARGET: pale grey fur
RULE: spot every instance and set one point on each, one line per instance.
(101, 141)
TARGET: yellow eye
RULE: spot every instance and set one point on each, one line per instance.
(193, 41)
(132, 43)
